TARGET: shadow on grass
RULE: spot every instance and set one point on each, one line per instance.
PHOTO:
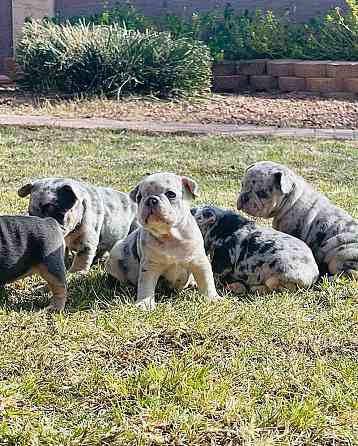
(97, 288)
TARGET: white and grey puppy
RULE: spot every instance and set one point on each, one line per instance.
(92, 218)
(168, 244)
(273, 190)
(248, 258)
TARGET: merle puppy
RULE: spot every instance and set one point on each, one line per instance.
(271, 190)
(249, 258)
(32, 245)
(92, 218)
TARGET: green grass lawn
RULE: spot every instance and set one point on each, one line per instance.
(274, 370)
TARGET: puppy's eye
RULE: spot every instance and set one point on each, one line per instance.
(139, 197)
(171, 195)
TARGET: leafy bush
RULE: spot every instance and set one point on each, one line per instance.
(337, 36)
(226, 33)
(233, 36)
(110, 59)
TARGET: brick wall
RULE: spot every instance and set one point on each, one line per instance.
(321, 77)
(5, 30)
(300, 9)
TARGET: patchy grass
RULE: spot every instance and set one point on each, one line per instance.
(274, 370)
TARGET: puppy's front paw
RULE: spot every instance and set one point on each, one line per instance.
(146, 304)
(214, 297)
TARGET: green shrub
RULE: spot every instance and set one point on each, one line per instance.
(234, 36)
(111, 60)
(226, 33)
(337, 36)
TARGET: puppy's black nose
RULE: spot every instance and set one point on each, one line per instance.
(152, 201)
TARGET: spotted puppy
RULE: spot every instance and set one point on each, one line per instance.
(168, 244)
(246, 257)
(273, 190)
(32, 245)
(93, 218)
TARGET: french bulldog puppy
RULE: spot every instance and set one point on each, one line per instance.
(273, 190)
(93, 218)
(168, 242)
(249, 258)
(32, 245)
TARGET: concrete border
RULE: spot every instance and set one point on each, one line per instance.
(157, 127)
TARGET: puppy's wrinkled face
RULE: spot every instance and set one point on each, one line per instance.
(163, 201)
(206, 217)
(56, 200)
(263, 189)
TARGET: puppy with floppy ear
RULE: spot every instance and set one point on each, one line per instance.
(273, 190)
(92, 218)
(168, 244)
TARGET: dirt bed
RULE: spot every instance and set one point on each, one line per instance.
(280, 110)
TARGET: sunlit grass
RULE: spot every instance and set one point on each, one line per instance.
(280, 369)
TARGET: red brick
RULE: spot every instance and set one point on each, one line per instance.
(311, 68)
(351, 85)
(323, 85)
(252, 67)
(283, 67)
(342, 70)
(289, 83)
(263, 83)
(224, 68)
(230, 83)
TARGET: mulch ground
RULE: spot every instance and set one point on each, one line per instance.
(281, 110)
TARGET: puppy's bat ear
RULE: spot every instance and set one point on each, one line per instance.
(190, 186)
(249, 167)
(66, 197)
(25, 190)
(283, 181)
(133, 193)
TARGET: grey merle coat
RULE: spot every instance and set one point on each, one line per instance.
(246, 257)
